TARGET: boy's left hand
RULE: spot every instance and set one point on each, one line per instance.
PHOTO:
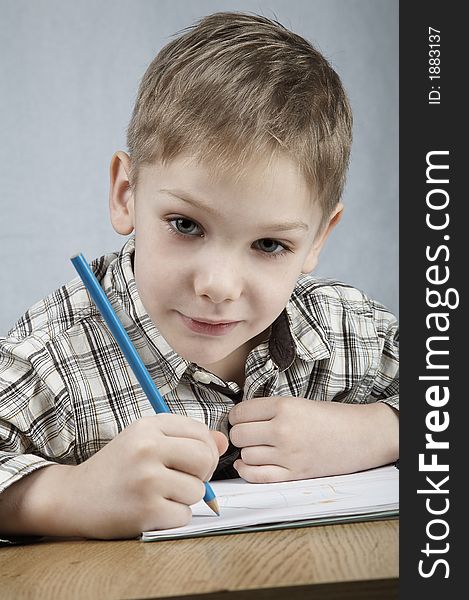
(286, 438)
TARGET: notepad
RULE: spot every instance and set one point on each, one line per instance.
(364, 496)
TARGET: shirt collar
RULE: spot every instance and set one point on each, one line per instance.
(298, 331)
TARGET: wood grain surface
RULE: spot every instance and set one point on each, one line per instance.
(356, 560)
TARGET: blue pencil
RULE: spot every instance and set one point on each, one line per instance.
(120, 334)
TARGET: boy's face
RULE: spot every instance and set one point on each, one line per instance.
(216, 260)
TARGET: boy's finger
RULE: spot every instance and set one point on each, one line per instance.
(166, 514)
(256, 409)
(184, 488)
(262, 474)
(259, 455)
(252, 434)
(221, 441)
(189, 456)
(182, 427)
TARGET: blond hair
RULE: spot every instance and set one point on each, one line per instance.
(236, 87)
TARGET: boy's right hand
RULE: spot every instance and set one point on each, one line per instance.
(145, 478)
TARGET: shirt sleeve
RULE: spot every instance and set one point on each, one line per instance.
(386, 384)
(31, 427)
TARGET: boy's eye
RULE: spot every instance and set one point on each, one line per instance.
(270, 246)
(186, 226)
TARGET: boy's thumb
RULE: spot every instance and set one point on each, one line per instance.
(221, 441)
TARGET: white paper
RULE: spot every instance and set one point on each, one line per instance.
(249, 504)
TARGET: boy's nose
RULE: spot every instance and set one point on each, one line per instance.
(219, 280)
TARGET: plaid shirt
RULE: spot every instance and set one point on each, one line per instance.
(66, 389)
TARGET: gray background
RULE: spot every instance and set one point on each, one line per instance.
(69, 73)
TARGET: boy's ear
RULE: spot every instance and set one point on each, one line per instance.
(121, 198)
(321, 237)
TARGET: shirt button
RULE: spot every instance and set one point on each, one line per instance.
(202, 377)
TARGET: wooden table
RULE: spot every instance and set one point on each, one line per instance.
(355, 560)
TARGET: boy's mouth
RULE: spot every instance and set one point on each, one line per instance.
(207, 327)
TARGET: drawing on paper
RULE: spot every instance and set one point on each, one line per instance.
(284, 498)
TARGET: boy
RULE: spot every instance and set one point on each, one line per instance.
(238, 148)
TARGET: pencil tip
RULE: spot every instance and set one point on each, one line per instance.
(214, 506)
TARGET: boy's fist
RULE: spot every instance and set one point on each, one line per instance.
(146, 477)
(285, 438)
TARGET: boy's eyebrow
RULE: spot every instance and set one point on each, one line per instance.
(185, 197)
(287, 226)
